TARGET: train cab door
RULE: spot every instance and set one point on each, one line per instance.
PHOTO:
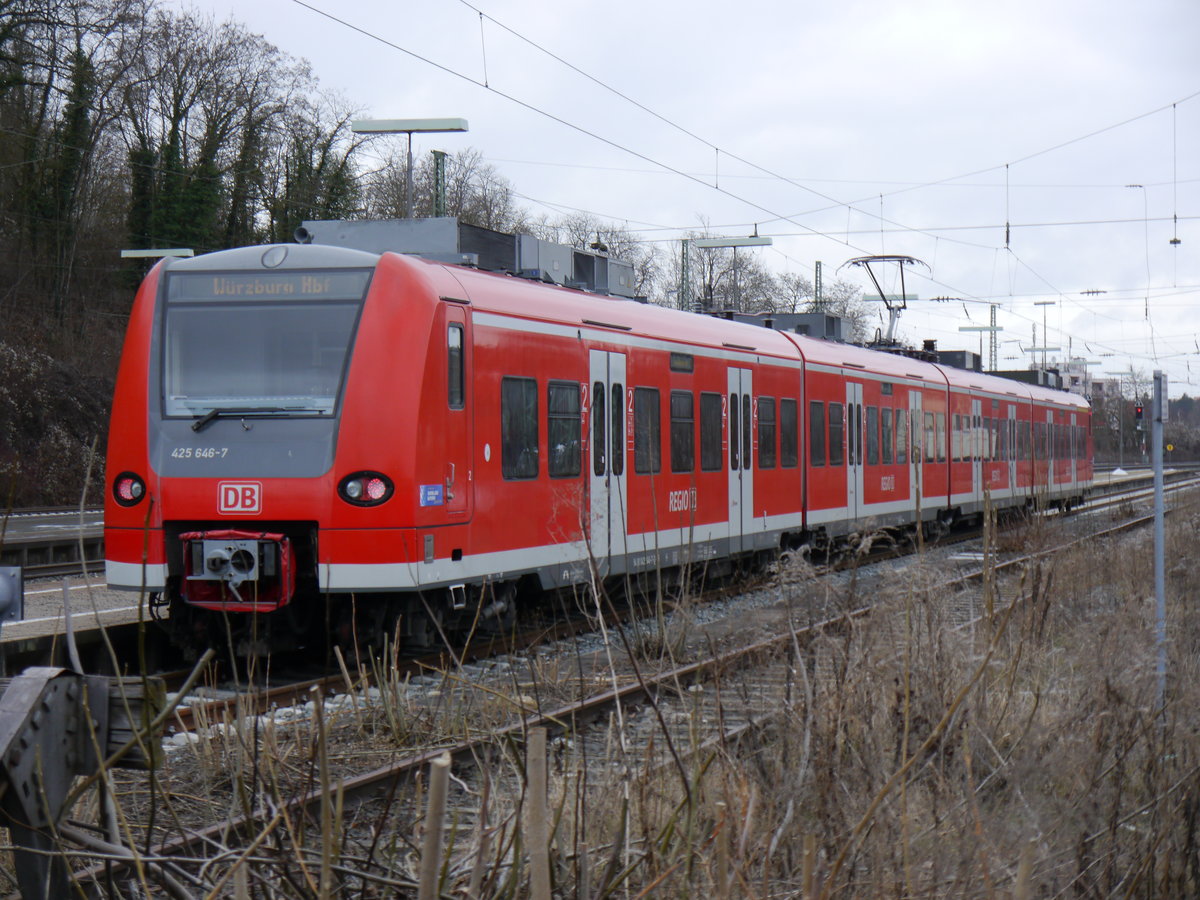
(608, 495)
(975, 448)
(854, 449)
(740, 414)
(458, 478)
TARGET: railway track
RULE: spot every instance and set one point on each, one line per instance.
(662, 706)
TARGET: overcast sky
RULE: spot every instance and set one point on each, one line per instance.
(841, 129)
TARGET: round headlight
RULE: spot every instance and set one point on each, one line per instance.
(366, 488)
(128, 489)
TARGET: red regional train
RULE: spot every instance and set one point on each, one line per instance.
(310, 440)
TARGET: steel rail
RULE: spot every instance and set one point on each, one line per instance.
(572, 716)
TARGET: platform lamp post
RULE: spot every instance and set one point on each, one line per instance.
(1120, 376)
(1045, 333)
(409, 127)
(711, 243)
(992, 329)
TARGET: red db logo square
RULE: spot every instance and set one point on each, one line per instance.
(239, 497)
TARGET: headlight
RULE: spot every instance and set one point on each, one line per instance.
(366, 488)
(128, 489)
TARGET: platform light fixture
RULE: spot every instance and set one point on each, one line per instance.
(754, 240)
(158, 252)
(409, 127)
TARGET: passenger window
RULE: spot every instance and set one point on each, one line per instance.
(941, 437)
(647, 431)
(885, 435)
(599, 438)
(858, 434)
(454, 361)
(836, 435)
(518, 428)
(617, 410)
(930, 435)
(563, 429)
(902, 436)
(852, 413)
(683, 432)
(872, 435)
(746, 433)
(710, 432)
(816, 433)
(766, 432)
(789, 437)
(735, 439)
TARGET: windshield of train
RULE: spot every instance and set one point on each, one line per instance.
(267, 343)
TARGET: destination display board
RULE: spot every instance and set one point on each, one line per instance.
(208, 287)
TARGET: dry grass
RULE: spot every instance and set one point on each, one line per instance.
(921, 756)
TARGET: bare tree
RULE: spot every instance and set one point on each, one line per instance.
(475, 191)
(61, 62)
(314, 174)
(206, 109)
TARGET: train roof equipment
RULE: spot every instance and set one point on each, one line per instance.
(446, 239)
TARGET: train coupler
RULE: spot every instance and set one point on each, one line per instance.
(238, 571)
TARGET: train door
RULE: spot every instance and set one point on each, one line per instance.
(1013, 427)
(854, 449)
(458, 478)
(607, 529)
(1050, 448)
(1073, 451)
(975, 448)
(916, 448)
(741, 458)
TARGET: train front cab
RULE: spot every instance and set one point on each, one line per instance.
(263, 432)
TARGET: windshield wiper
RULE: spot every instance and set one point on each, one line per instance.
(218, 412)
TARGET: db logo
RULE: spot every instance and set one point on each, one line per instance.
(239, 496)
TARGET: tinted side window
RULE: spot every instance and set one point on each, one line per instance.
(746, 436)
(518, 428)
(599, 438)
(885, 435)
(789, 436)
(454, 362)
(683, 432)
(816, 433)
(837, 452)
(710, 432)
(735, 440)
(617, 409)
(766, 432)
(647, 431)
(564, 429)
(902, 436)
(872, 435)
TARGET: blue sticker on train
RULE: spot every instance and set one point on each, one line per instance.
(431, 495)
